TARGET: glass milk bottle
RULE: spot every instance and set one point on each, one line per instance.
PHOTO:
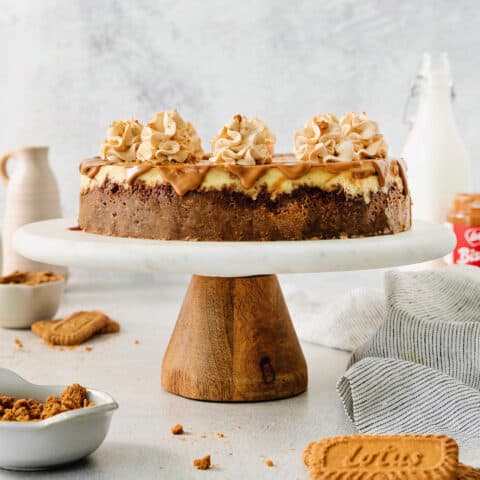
(437, 161)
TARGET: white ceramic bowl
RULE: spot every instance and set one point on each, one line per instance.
(61, 439)
(22, 305)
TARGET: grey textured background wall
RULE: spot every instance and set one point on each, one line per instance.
(70, 67)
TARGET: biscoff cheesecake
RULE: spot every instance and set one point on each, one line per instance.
(155, 181)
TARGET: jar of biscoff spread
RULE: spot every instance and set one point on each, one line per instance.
(465, 220)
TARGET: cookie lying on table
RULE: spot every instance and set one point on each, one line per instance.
(386, 457)
(76, 328)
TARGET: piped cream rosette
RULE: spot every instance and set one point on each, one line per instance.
(243, 141)
(168, 138)
(123, 141)
(325, 139)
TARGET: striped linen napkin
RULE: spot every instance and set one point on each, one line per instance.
(420, 371)
(415, 366)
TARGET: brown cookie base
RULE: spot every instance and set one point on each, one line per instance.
(158, 212)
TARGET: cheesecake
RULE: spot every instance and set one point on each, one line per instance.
(155, 181)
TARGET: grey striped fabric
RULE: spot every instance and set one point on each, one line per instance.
(420, 372)
(386, 396)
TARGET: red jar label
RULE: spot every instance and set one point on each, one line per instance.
(467, 251)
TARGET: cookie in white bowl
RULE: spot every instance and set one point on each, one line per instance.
(58, 440)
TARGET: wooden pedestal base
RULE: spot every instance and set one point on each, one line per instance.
(234, 342)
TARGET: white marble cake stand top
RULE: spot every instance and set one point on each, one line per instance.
(51, 242)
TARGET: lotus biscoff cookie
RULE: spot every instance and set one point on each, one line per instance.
(76, 328)
(372, 457)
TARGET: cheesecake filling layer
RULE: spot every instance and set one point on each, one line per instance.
(361, 178)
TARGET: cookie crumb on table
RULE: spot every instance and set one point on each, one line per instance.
(220, 435)
(269, 463)
(18, 343)
(202, 463)
(177, 429)
(136, 342)
(88, 348)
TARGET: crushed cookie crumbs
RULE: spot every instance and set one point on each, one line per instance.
(203, 463)
(29, 409)
(269, 463)
(177, 429)
(18, 343)
(220, 435)
(29, 278)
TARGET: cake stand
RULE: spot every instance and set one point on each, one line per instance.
(234, 339)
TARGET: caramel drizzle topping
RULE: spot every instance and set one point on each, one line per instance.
(382, 170)
(186, 177)
(339, 167)
(402, 170)
(92, 166)
(248, 174)
(136, 171)
(294, 170)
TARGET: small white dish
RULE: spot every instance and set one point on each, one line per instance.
(22, 305)
(59, 440)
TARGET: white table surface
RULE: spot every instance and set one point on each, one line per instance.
(140, 444)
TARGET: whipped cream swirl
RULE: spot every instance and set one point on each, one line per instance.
(168, 138)
(123, 140)
(244, 142)
(324, 139)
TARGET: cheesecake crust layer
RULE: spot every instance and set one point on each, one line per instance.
(158, 212)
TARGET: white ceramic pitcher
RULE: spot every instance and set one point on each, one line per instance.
(32, 195)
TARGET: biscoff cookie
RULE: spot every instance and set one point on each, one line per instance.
(76, 328)
(396, 457)
(111, 327)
